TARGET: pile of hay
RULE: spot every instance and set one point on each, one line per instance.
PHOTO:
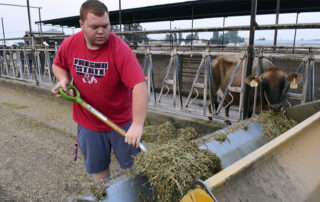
(166, 132)
(274, 124)
(173, 167)
(98, 190)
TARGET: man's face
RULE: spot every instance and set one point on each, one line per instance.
(96, 30)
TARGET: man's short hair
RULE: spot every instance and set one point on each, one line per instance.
(92, 6)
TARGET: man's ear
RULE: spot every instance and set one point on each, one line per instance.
(81, 24)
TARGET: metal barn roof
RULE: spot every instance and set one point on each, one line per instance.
(197, 10)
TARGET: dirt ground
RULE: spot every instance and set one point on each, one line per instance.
(37, 140)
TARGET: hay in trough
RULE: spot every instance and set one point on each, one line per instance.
(173, 167)
(274, 124)
(166, 132)
(159, 133)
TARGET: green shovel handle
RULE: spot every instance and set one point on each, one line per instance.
(76, 99)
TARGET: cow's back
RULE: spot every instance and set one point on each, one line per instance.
(222, 70)
(224, 66)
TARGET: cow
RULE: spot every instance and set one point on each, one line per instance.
(274, 82)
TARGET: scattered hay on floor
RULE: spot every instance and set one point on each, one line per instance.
(98, 190)
(166, 132)
(173, 167)
(14, 106)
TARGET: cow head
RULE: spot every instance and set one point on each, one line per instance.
(275, 85)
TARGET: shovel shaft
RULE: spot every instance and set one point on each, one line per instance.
(107, 121)
(103, 118)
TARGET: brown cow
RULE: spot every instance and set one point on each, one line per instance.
(274, 82)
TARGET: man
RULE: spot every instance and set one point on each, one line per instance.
(109, 77)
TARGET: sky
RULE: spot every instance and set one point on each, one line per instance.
(15, 19)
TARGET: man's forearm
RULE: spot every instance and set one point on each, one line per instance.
(139, 103)
(60, 74)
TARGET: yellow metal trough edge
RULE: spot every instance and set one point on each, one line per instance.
(226, 174)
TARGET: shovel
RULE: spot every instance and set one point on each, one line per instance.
(95, 112)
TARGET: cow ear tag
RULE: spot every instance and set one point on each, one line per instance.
(293, 84)
(253, 83)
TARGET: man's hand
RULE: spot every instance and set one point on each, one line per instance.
(62, 83)
(134, 134)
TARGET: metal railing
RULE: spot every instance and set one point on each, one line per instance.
(36, 66)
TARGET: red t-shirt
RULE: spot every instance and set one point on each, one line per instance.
(104, 77)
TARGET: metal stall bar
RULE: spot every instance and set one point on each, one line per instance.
(26, 64)
(173, 81)
(12, 64)
(47, 70)
(302, 96)
(21, 72)
(37, 66)
(196, 84)
(5, 64)
(229, 87)
(150, 76)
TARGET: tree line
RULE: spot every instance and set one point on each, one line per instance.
(217, 37)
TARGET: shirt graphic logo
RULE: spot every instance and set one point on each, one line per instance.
(90, 70)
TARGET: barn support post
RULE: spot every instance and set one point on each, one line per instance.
(250, 58)
(311, 63)
(1, 66)
(260, 71)
(178, 70)
(191, 27)
(120, 23)
(295, 34)
(208, 65)
(205, 81)
(4, 36)
(305, 81)
(243, 85)
(277, 22)
(222, 41)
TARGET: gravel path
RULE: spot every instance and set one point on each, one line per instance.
(37, 139)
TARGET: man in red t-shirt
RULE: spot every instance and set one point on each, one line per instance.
(109, 78)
